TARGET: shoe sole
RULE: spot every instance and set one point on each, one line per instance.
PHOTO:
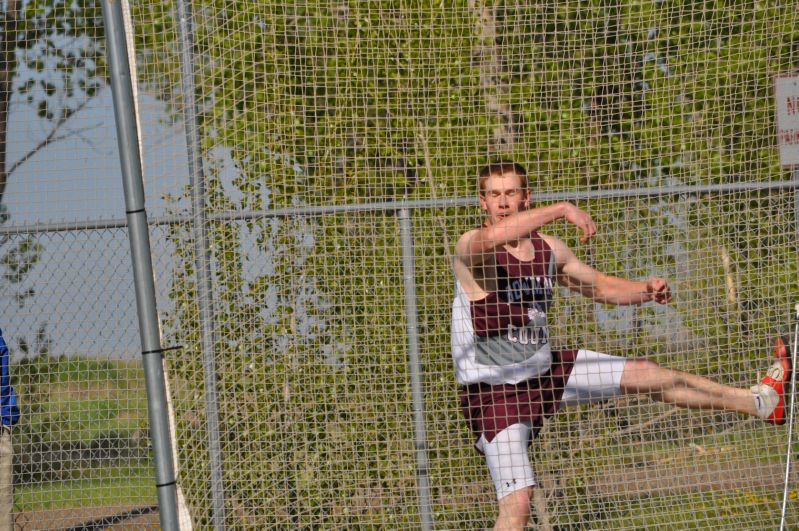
(787, 388)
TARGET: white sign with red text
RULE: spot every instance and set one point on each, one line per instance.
(786, 96)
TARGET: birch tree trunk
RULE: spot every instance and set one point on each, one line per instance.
(488, 57)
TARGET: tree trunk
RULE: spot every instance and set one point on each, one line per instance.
(489, 58)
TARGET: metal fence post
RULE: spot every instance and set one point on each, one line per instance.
(202, 259)
(149, 332)
(417, 392)
(796, 206)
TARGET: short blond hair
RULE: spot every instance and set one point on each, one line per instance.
(498, 169)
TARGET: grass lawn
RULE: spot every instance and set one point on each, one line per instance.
(134, 490)
(82, 438)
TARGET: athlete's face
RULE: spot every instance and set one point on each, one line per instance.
(503, 196)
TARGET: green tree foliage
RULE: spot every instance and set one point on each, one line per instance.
(295, 333)
(351, 102)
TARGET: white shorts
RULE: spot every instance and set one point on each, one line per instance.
(595, 377)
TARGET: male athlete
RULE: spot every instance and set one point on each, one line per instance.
(511, 380)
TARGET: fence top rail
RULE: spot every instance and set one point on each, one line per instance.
(90, 225)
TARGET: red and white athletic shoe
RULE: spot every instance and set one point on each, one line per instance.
(773, 391)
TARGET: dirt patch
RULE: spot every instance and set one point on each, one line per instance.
(706, 477)
(86, 518)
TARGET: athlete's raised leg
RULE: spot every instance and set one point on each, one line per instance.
(764, 400)
(642, 376)
(598, 376)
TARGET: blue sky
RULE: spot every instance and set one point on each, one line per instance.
(84, 280)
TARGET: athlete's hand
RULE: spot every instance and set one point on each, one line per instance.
(582, 220)
(658, 290)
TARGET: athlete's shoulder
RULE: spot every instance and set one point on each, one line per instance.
(549, 240)
(463, 245)
(561, 251)
(470, 233)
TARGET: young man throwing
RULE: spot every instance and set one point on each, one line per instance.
(511, 380)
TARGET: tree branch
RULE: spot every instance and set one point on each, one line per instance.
(51, 137)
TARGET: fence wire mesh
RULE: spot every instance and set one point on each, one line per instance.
(317, 124)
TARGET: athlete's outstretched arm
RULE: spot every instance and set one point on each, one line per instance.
(473, 246)
(584, 279)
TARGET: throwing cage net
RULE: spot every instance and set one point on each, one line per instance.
(339, 145)
(330, 131)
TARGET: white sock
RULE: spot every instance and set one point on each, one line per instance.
(766, 399)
